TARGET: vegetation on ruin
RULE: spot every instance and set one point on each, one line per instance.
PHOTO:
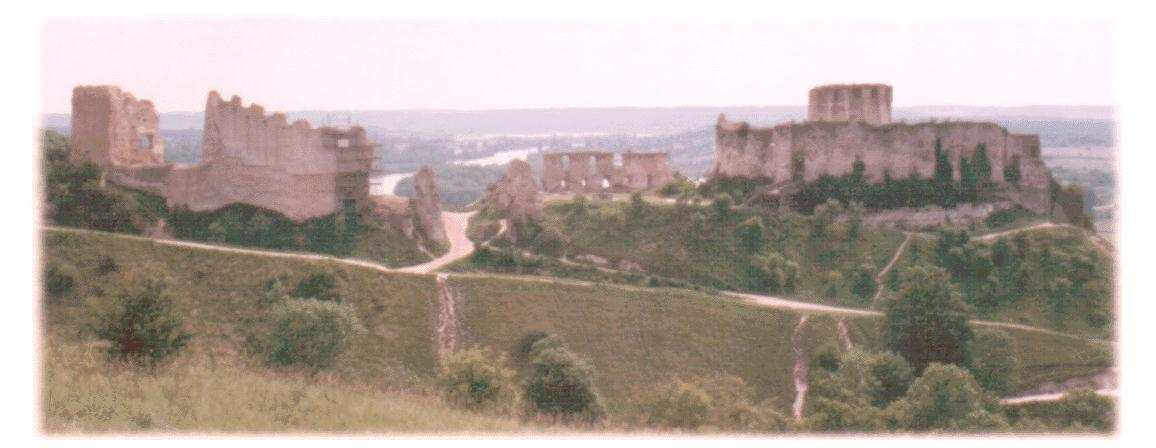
(635, 339)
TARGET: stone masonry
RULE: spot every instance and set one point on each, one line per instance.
(112, 127)
(831, 145)
(594, 171)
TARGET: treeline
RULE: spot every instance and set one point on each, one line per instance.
(974, 185)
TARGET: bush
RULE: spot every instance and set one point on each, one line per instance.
(827, 358)
(477, 379)
(773, 273)
(561, 384)
(946, 397)
(309, 332)
(320, 286)
(863, 281)
(1081, 408)
(993, 360)
(141, 325)
(59, 280)
(928, 321)
(680, 405)
(106, 265)
(750, 235)
(722, 206)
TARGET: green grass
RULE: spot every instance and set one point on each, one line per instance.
(666, 242)
(635, 337)
(85, 392)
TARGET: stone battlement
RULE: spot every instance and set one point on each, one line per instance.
(111, 127)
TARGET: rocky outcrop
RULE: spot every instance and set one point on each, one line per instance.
(514, 198)
(426, 209)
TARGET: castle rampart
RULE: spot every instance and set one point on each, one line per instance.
(594, 171)
(830, 145)
(113, 128)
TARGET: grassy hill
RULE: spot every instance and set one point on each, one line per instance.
(635, 338)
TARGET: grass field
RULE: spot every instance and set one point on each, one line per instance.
(635, 337)
(675, 244)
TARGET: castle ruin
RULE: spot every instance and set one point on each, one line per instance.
(247, 156)
(849, 123)
(594, 171)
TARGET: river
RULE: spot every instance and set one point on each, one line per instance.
(386, 184)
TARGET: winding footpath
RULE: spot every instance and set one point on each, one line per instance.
(886, 269)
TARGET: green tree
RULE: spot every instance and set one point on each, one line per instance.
(854, 220)
(680, 405)
(750, 235)
(320, 286)
(928, 321)
(478, 379)
(142, 325)
(59, 280)
(561, 383)
(994, 363)
(944, 177)
(824, 218)
(863, 283)
(722, 206)
(981, 164)
(946, 397)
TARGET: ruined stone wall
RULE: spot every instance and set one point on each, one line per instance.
(867, 103)
(900, 149)
(594, 171)
(113, 128)
(515, 195)
(293, 169)
(426, 208)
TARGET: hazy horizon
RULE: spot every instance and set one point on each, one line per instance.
(363, 65)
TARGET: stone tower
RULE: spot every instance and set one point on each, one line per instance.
(867, 103)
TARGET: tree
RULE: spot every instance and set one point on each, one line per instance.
(928, 321)
(946, 397)
(854, 220)
(59, 280)
(863, 281)
(722, 206)
(680, 405)
(773, 273)
(993, 360)
(824, 218)
(981, 164)
(320, 286)
(944, 176)
(561, 384)
(477, 379)
(142, 325)
(749, 235)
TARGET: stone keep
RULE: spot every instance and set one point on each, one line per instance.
(866, 103)
(832, 143)
(112, 128)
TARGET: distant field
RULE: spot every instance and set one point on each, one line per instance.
(635, 337)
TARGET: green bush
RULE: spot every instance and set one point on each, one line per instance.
(59, 280)
(722, 206)
(477, 379)
(680, 405)
(750, 235)
(863, 281)
(309, 332)
(106, 265)
(928, 321)
(993, 360)
(773, 273)
(142, 325)
(946, 397)
(826, 358)
(561, 383)
(320, 286)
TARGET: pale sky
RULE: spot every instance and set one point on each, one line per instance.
(341, 64)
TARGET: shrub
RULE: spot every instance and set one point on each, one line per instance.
(561, 384)
(274, 290)
(993, 360)
(478, 379)
(722, 206)
(854, 220)
(946, 397)
(1081, 408)
(750, 235)
(59, 280)
(320, 286)
(680, 405)
(824, 218)
(106, 265)
(773, 273)
(141, 325)
(309, 332)
(827, 358)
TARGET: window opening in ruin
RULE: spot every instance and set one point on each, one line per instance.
(563, 184)
(145, 142)
(605, 183)
(582, 182)
(342, 143)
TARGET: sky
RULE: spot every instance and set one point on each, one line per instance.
(344, 64)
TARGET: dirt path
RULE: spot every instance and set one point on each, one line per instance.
(460, 244)
(879, 279)
(844, 335)
(1104, 383)
(800, 372)
(446, 328)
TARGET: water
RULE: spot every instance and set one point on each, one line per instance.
(387, 183)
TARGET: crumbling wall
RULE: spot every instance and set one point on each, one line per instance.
(112, 128)
(293, 169)
(515, 195)
(594, 171)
